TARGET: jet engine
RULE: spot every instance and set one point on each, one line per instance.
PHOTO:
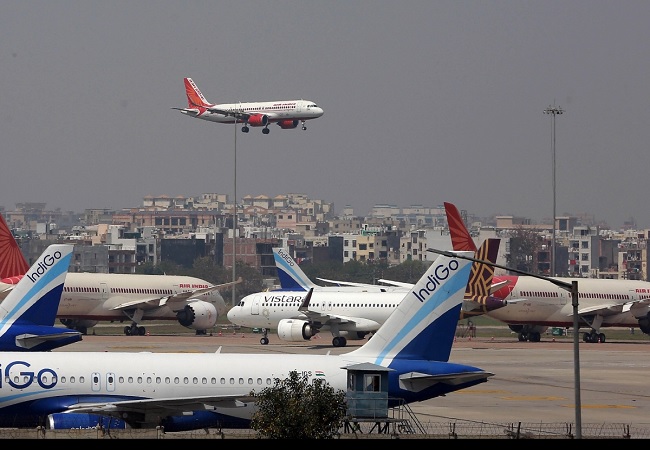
(644, 323)
(198, 315)
(296, 330)
(258, 120)
(288, 124)
(80, 325)
(67, 421)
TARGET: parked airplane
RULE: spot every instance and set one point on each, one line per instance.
(348, 312)
(534, 304)
(408, 357)
(28, 313)
(89, 298)
(12, 262)
(285, 113)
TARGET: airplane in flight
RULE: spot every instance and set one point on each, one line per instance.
(287, 114)
(28, 312)
(534, 305)
(408, 357)
(90, 298)
(348, 312)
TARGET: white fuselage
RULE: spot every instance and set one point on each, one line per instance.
(536, 301)
(266, 309)
(275, 110)
(91, 296)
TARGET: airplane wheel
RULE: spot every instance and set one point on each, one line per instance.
(585, 337)
(535, 337)
(601, 338)
(141, 331)
(264, 341)
(127, 331)
(339, 342)
(244, 129)
(521, 337)
(265, 131)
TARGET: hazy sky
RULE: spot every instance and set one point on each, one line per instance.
(425, 102)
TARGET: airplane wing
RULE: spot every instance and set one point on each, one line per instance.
(416, 381)
(330, 319)
(156, 302)
(238, 114)
(612, 308)
(347, 283)
(32, 340)
(161, 407)
(396, 283)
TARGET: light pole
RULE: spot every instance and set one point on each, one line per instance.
(572, 288)
(234, 224)
(555, 111)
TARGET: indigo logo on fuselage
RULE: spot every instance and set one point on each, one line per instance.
(440, 274)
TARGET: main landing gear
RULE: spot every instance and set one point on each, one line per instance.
(594, 337)
(134, 330)
(339, 341)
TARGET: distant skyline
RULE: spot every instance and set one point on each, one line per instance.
(425, 102)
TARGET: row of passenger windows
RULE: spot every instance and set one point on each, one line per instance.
(337, 305)
(149, 380)
(529, 294)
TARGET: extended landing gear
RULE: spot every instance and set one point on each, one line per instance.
(264, 340)
(339, 341)
(594, 337)
(532, 336)
(245, 129)
(304, 127)
(265, 130)
(134, 330)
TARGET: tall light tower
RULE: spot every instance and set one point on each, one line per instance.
(555, 110)
(234, 226)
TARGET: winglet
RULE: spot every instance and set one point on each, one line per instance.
(305, 303)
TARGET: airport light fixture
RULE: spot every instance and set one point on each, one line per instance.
(234, 225)
(554, 110)
(570, 287)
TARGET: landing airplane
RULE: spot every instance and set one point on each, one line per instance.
(348, 312)
(408, 356)
(89, 298)
(28, 313)
(285, 113)
(534, 304)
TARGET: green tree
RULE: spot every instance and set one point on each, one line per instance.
(294, 408)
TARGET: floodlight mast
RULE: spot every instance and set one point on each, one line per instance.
(570, 287)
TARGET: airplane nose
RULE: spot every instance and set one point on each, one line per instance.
(320, 112)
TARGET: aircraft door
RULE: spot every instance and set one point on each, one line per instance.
(255, 305)
(104, 290)
(110, 382)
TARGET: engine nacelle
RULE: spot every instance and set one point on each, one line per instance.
(258, 120)
(528, 328)
(288, 124)
(296, 330)
(644, 324)
(80, 421)
(353, 335)
(80, 325)
(198, 315)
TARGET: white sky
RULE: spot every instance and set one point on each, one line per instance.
(425, 102)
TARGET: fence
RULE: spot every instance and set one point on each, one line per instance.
(424, 430)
